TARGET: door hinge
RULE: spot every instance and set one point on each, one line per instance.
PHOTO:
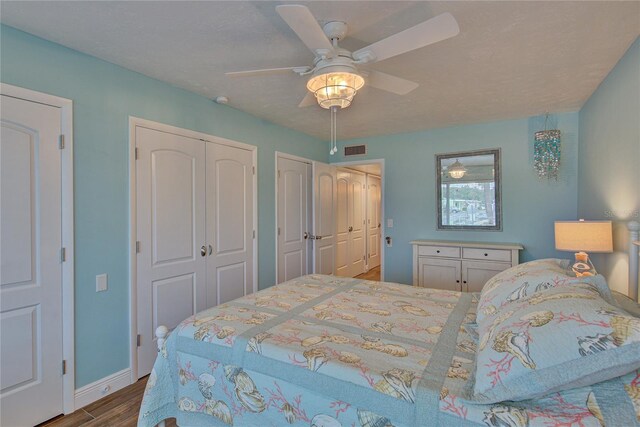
(278, 173)
(136, 153)
(364, 257)
(138, 340)
(278, 231)
(64, 367)
(253, 168)
(254, 234)
(61, 142)
(63, 254)
(137, 246)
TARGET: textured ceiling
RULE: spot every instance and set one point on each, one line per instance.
(510, 60)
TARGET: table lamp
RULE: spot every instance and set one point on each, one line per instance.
(582, 237)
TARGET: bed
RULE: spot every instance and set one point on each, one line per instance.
(323, 351)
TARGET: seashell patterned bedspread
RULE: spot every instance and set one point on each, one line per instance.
(322, 351)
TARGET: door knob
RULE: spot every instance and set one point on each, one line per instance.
(210, 249)
(350, 229)
(306, 235)
(203, 250)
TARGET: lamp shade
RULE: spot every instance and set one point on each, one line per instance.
(586, 236)
(335, 89)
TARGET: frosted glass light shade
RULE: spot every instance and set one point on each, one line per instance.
(335, 89)
(586, 236)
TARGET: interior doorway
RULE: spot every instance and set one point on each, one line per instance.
(359, 219)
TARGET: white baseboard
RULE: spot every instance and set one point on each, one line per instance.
(103, 387)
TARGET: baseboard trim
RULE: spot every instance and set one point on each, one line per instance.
(89, 393)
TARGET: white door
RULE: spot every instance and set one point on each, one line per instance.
(294, 182)
(357, 223)
(374, 222)
(324, 208)
(229, 223)
(171, 266)
(342, 217)
(31, 273)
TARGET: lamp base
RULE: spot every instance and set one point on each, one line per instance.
(583, 267)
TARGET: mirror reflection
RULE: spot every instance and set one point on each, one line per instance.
(468, 190)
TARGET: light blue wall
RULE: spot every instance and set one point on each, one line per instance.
(609, 160)
(104, 97)
(530, 205)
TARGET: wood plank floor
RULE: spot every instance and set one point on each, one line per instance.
(118, 409)
(373, 274)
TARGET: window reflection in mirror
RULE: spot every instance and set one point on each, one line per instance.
(469, 190)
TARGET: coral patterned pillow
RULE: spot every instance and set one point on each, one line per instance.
(553, 340)
(528, 278)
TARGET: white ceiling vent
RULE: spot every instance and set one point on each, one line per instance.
(355, 150)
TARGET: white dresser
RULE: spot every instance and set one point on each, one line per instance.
(460, 266)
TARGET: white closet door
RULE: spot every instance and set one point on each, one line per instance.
(229, 223)
(31, 273)
(324, 224)
(293, 218)
(357, 223)
(343, 222)
(374, 195)
(171, 264)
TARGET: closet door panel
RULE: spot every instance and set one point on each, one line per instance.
(343, 266)
(357, 223)
(229, 223)
(171, 269)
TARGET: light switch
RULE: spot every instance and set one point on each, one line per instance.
(390, 223)
(101, 282)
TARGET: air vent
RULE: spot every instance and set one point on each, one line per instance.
(355, 150)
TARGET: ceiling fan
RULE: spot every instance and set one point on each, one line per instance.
(335, 76)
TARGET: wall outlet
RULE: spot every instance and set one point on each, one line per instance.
(101, 282)
(390, 223)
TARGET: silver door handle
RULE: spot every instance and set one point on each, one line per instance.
(306, 235)
(203, 250)
(317, 237)
(210, 249)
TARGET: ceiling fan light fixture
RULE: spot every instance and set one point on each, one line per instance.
(335, 89)
(457, 170)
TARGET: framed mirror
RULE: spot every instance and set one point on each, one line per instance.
(468, 190)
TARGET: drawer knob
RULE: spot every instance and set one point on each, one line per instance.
(464, 281)
(437, 251)
(457, 281)
(486, 254)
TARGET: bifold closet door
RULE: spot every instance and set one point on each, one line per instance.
(294, 209)
(374, 195)
(350, 223)
(171, 258)
(357, 223)
(343, 266)
(229, 223)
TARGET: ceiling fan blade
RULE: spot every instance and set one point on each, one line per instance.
(390, 83)
(436, 29)
(267, 71)
(308, 100)
(305, 25)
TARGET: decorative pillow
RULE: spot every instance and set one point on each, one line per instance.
(556, 339)
(528, 278)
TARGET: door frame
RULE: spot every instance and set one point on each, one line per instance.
(68, 280)
(346, 164)
(133, 267)
(281, 155)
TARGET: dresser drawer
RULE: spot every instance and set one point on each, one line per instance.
(443, 251)
(488, 254)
